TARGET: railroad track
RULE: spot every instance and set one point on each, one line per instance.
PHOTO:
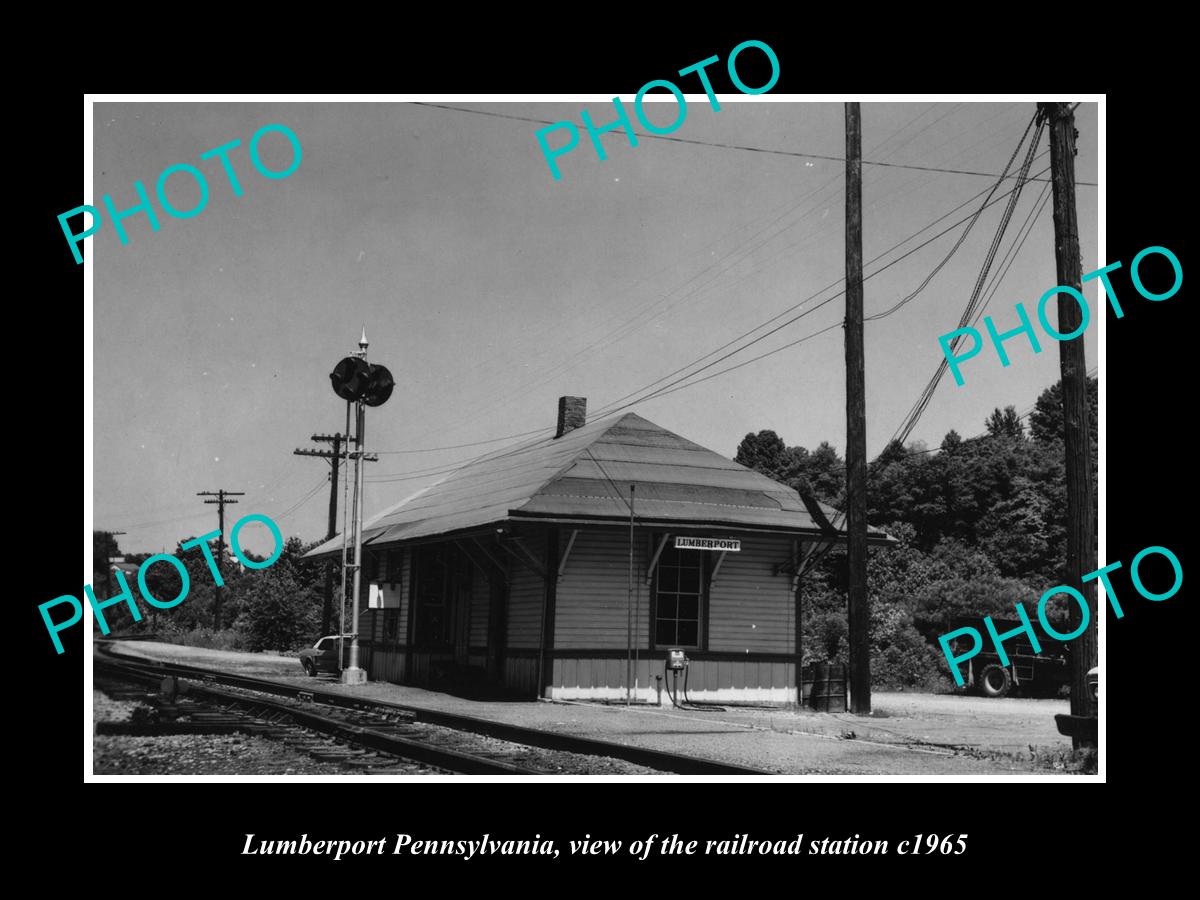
(447, 741)
(356, 741)
(178, 710)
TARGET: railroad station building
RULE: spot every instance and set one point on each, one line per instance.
(547, 567)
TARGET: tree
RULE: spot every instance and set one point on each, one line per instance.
(196, 610)
(951, 441)
(104, 548)
(1046, 419)
(980, 524)
(762, 452)
(823, 474)
(279, 611)
(1005, 424)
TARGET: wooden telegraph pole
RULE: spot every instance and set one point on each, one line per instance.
(221, 502)
(334, 456)
(856, 427)
(1081, 504)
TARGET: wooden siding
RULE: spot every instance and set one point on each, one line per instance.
(370, 625)
(401, 590)
(395, 596)
(520, 674)
(592, 608)
(430, 665)
(480, 593)
(750, 608)
(383, 663)
(526, 590)
(750, 680)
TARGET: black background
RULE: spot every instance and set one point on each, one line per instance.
(193, 835)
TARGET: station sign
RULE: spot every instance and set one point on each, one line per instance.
(725, 545)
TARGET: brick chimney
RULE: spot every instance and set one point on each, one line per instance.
(572, 414)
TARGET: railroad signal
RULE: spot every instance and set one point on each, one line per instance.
(379, 386)
(355, 379)
(363, 384)
(350, 377)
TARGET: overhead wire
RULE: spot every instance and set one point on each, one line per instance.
(917, 410)
(299, 503)
(615, 406)
(741, 251)
(604, 412)
(961, 238)
(725, 263)
(1035, 213)
(494, 440)
(725, 146)
(617, 403)
(1025, 414)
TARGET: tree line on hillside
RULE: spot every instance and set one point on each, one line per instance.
(980, 524)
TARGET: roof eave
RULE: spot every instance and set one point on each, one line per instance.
(705, 524)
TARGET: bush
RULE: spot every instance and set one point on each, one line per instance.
(279, 612)
(903, 658)
(826, 638)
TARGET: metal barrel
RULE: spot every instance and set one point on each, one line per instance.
(823, 687)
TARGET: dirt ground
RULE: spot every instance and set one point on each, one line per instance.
(908, 733)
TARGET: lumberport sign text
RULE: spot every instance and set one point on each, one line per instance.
(696, 543)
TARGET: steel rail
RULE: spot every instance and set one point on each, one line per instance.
(672, 763)
(369, 738)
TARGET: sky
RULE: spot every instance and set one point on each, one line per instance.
(489, 288)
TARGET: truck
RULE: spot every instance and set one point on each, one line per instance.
(1028, 672)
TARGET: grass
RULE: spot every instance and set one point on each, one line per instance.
(1049, 759)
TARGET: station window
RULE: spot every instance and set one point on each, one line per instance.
(679, 598)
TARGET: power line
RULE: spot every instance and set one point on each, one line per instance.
(1035, 213)
(961, 238)
(1027, 413)
(728, 260)
(303, 500)
(735, 256)
(906, 426)
(461, 446)
(676, 385)
(605, 409)
(605, 412)
(677, 140)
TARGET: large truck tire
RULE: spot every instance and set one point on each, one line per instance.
(994, 681)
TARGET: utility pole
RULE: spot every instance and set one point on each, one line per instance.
(1081, 506)
(856, 427)
(221, 502)
(109, 546)
(334, 456)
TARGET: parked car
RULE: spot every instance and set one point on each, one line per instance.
(323, 655)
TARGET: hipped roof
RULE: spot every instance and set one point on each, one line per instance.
(586, 474)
